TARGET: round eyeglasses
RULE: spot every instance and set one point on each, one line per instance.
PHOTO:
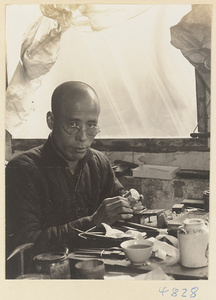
(74, 129)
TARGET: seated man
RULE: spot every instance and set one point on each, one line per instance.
(63, 184)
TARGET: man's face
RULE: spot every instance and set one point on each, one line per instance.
(81, 112)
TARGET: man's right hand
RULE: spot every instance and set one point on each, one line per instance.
(111, 210)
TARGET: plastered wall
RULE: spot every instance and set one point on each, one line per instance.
(159, 193)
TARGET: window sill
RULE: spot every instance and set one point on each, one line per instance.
(154, 145)
(182, 174)
(193, 174)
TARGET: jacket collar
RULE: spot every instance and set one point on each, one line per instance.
(55, 158)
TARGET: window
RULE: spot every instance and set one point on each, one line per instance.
(146, 86)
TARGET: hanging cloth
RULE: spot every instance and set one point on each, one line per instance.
(41, 46)
(192, 35)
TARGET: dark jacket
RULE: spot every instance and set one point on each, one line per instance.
(45, 201)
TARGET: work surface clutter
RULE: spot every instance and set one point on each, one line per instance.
(127, 250)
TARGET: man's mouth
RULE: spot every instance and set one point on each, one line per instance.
(80, 149)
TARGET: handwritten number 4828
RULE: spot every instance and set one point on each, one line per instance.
(181, 293)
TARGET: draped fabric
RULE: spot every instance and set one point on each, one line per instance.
(41, 45)
(91, 17)
(38, 54)
(192, 35)
(145, 85)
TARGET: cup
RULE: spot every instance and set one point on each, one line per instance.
(137, 251)
(90, 269)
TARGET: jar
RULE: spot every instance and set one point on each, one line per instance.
(55, 264)
(193, 243)
(206, 200)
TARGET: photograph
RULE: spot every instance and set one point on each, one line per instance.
(107, 143)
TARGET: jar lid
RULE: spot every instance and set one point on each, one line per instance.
(51, 257)
(206, 193)
(33, 276)
(193, 221)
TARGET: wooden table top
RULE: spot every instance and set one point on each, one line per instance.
(171, 267)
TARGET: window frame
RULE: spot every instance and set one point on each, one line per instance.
(198, 141)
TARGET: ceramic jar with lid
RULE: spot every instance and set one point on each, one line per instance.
(193, 243)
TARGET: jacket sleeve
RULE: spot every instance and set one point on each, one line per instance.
(110, 184)
(24, 217)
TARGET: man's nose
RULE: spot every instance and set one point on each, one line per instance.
(82, 135)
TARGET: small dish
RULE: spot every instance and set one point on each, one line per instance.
(97, 234)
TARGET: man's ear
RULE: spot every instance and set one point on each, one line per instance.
(50, 120)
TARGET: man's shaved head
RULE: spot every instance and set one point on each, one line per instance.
(72, 91)
(74, 104)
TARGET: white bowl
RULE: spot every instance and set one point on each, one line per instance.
(137, 251)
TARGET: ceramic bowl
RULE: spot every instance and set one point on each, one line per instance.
(137, 251)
